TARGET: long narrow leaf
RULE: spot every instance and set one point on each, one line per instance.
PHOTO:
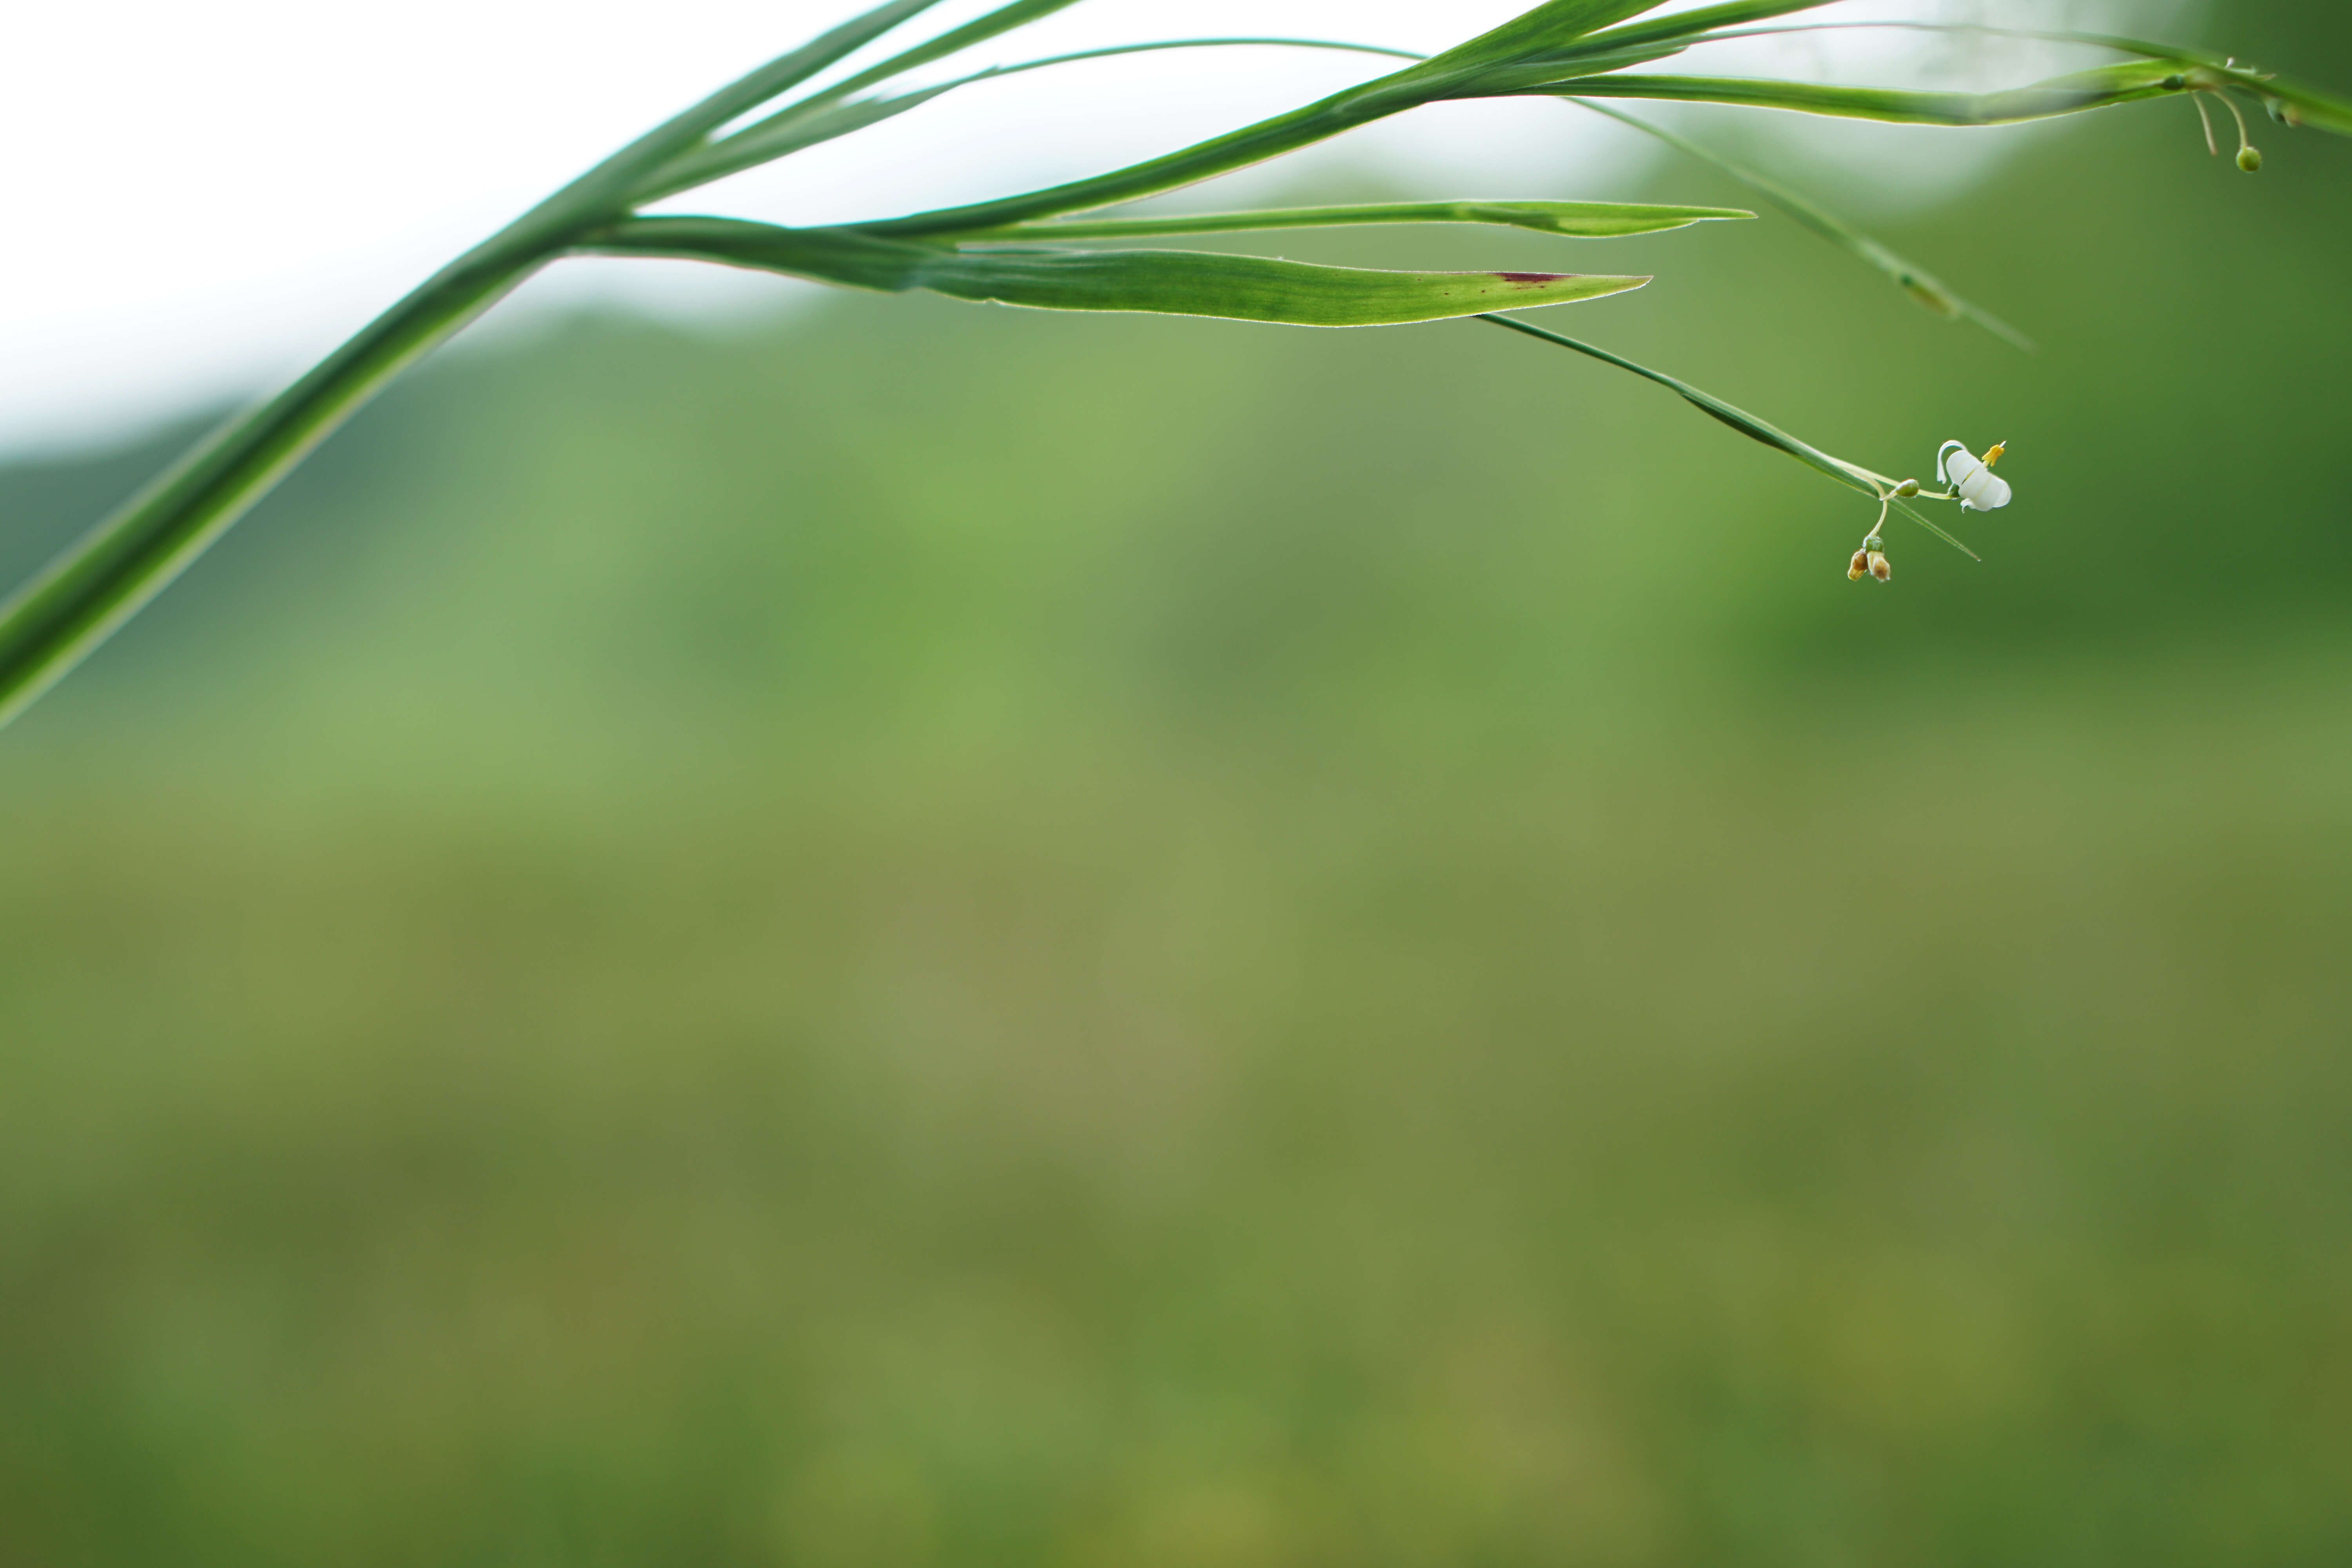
(56, 619)
(1558, 23)
(1189, 165)
(613, 184)
(1172, 282)
(1739, 419)
(1003, 19)
(777, 138)
(1514, 78)
(2064, 94)
(1619, 48)
(1582, 220)
(1689, 25)
(1921, 519)
(2161, 71)
(1715, 408)
(1914, 279)
(786, 72)
(2039, 35)
(824, 117)
(1555, 26)
(2290, 102)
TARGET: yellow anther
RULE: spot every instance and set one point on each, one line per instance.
(1994, 456)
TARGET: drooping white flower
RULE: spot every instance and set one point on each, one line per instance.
(1972, 478)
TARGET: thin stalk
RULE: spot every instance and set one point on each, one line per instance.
(1219, 155)
(827, 116)
(1715, 408)
(54, 621)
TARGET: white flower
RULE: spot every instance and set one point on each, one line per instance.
(1973, 481)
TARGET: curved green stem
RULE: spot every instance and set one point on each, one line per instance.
(54, 621)
(827, 116)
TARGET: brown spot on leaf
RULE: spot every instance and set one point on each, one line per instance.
(1528, 280)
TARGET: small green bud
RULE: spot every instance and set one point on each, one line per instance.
(2250, 158)
(2174, 82)
(1908, 488)
(1874, 542)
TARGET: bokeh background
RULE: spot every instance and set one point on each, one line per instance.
(906, 934)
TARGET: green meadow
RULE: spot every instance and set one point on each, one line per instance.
(920, 934)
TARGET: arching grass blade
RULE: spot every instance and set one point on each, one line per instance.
(1581, 220)
(1739, 419)
(1924, 287)
(1172, 282)
(1715, 408)
(827, 116)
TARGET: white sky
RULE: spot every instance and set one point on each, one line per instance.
(206, 197)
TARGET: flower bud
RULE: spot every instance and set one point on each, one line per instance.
(1880, 569)
(1908, 488)
(1861, 567)
(2249, 158)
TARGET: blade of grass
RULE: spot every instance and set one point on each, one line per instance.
(2159, 70)
(1557, 25)
(822, 116)
(56, 619)
(1739, 419)
(1617, 48)
(1189, 165)
(53, 620)
(2092, 40)
(2314, 108)
(1170, 282)
(1915, 281)
(1582, 220)
(1920, 518)
(1003, 19)
(2073, 94)
(783, 73)
(823, 119)
(1715, 408)
(775, 139)
(1687, 25)
(611, 185)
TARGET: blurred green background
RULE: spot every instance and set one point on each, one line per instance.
(924, 934)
